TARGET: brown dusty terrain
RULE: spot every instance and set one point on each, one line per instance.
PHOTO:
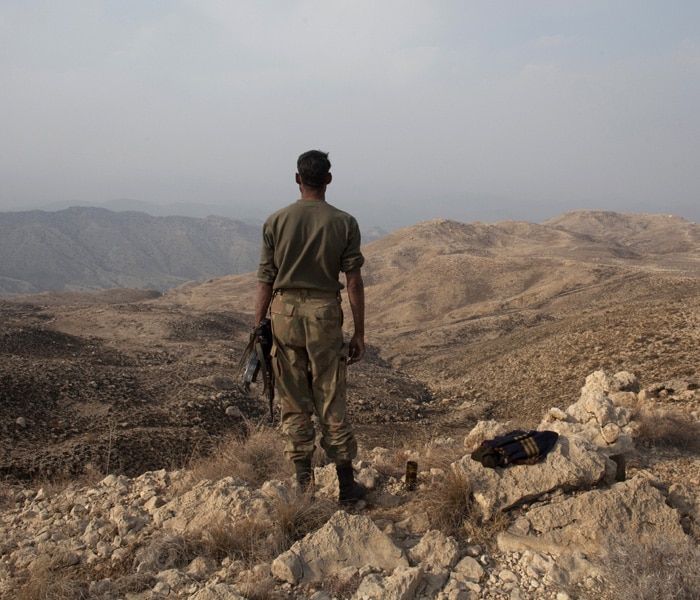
(465, 322)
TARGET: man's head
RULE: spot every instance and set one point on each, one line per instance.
(313, 169)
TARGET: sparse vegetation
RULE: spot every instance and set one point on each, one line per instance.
(449, 504)
(667, 428)
(50, 578)
(340, 588)
(7, 495)
(300, 516)
(248, 540)
(253, 541)
(449, 507)
(650, 569)
(128, 382)
(254, 456)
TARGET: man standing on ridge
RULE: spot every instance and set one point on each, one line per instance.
(305, 247)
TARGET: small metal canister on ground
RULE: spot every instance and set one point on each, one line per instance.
(620, 472)
(411, 475)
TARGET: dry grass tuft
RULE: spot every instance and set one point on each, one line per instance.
(667, 428)
(483, 532)
(450, 508)
(49, 578)
(337, 587)
(300, 516)
(55, 577)
(636, 569)
(440, 454)
(449, 503)
(7, 495)
(247, 540)
(133, 583)
(255, 456)
(252, 541)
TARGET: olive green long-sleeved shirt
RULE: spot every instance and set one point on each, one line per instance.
(307, 244)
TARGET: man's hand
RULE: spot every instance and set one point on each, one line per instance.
(356, 296)
(356, 350)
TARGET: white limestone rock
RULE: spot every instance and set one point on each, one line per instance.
(344, 541)
(573, 462)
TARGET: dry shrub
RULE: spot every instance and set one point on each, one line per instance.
(449, 503)
(667, 428)
(49, 578)
(248, 540)
(255, 456)
(133, 583)
(254, 541)
(300, 515)
(337, 587)
(648, 569)
(450, 508)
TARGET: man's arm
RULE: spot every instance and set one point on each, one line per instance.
(262, 302)
(356, 296)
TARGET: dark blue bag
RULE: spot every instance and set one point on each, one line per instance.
(515, 447)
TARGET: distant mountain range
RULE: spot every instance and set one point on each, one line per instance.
(252, 214)
(88, 248)
(84, 248)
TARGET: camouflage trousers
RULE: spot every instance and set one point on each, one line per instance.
(309, 361)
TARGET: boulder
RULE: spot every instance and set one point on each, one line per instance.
(209, 503)
(623, 381)
(596, 417)
(573, 462)
(435, 550)
(344, 541)
(583, 522)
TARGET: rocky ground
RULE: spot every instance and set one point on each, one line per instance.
(528, 532)
(154, 392)
(125, 382)
(465, 322)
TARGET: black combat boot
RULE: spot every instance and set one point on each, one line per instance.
(305, 474)
(349, 491)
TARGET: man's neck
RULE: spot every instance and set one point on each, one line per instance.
(313, 194)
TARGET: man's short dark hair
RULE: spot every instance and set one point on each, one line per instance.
(313, 168)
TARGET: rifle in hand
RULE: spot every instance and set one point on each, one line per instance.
(255, 365)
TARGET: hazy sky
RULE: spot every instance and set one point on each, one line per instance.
(465, 109)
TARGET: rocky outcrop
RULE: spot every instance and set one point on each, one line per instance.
(581, 523)
(602, 415)
(346, 542)
(141, 538)
(572, 464)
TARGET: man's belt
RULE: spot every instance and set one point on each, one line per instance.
(307, 293)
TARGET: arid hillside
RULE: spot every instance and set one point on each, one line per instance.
(465, 321)
(87, 248)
